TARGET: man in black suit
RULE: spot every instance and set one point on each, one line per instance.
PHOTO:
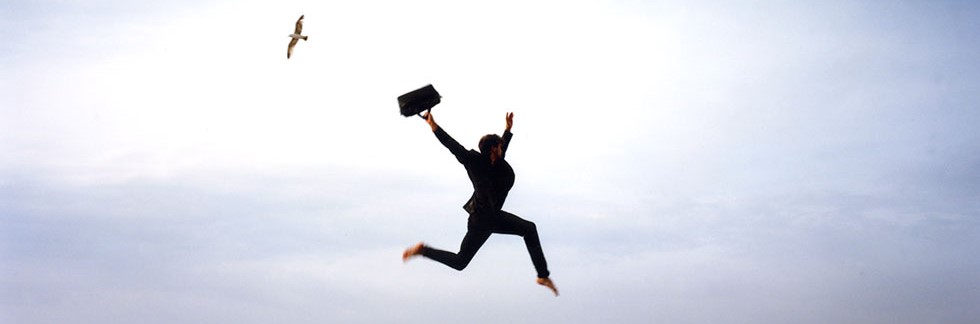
(492, 178)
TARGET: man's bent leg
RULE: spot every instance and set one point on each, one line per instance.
(512, 224)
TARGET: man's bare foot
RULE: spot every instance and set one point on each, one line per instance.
(548, 283)
(412, 251)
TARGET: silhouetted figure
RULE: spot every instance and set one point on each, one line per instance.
(492, 178)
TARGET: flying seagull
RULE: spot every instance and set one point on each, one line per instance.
(295, 36)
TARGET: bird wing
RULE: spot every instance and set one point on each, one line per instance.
(299, 25)
(289, 50)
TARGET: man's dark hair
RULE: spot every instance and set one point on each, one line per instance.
(489, 141)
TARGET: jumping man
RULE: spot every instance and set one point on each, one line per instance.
(492, 178)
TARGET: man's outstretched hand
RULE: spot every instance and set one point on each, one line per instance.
(510, 121)
(430, 120)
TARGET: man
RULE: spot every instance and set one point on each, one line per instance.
(492, 178)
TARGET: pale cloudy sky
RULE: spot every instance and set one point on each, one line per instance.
(685, 162)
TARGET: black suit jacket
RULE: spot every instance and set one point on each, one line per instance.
(491, 181)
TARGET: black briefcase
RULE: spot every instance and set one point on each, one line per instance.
(419, 100)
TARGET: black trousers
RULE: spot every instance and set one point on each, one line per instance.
(479, 228)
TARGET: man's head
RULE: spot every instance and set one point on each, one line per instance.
(491, 145)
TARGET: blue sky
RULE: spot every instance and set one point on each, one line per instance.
(685, 162)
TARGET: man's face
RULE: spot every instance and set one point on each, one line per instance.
(497, 151)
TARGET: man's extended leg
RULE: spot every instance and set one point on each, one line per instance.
(472, 242)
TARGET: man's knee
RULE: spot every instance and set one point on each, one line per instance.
(463, 261)
(530, 228)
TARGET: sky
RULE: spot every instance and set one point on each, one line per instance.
(685, 161)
